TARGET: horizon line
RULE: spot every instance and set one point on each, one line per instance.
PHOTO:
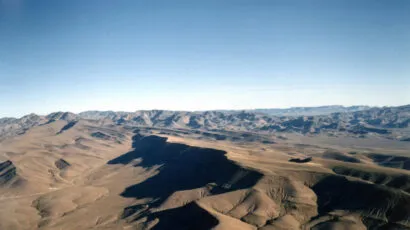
(208, 110)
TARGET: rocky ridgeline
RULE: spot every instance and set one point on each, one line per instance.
(386, 121)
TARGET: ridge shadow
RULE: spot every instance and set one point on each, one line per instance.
(182, 167)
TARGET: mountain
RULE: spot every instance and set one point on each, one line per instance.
(387, 121)
(13, 126)
(226, 170)
(390, 122)
(311, 111)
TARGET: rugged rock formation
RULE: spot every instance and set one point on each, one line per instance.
(386, 121)
(8, 172)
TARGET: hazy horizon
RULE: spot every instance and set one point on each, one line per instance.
(201, 55)
(244, 109)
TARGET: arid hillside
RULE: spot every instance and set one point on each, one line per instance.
(385, 122)
(65, 171)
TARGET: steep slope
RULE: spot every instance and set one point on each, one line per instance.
(185, 174)
(356, 121)
(386, 122)
(8, 173)
(66, 172)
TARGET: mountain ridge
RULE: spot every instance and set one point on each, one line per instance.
(344, 108)
(389, 122)
(159, 169)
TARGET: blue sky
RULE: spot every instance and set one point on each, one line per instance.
(76, 55)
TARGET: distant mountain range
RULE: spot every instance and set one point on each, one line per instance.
(305, 111)
(311, 111)
(390, 122)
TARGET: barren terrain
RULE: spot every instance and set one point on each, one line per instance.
(83, 173)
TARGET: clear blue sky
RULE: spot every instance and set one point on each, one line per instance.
(76, 55)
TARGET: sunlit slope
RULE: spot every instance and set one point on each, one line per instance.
(92, 174)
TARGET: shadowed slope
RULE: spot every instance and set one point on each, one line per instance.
(8, 173)
(380, 206)
(68, 126)
(390, 161)
(181, 167)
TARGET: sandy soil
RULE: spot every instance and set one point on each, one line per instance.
(94, 176)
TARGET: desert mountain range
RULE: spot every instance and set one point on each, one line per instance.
(220, 170)
(358, 120)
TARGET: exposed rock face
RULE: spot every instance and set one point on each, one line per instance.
(375, 120)
(378, 121)
(7, 172)
(62, 164)
(13, 126)
(66, 116)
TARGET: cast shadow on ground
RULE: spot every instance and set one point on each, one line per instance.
(182, 167)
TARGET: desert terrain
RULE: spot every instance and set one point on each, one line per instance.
(206, 170)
